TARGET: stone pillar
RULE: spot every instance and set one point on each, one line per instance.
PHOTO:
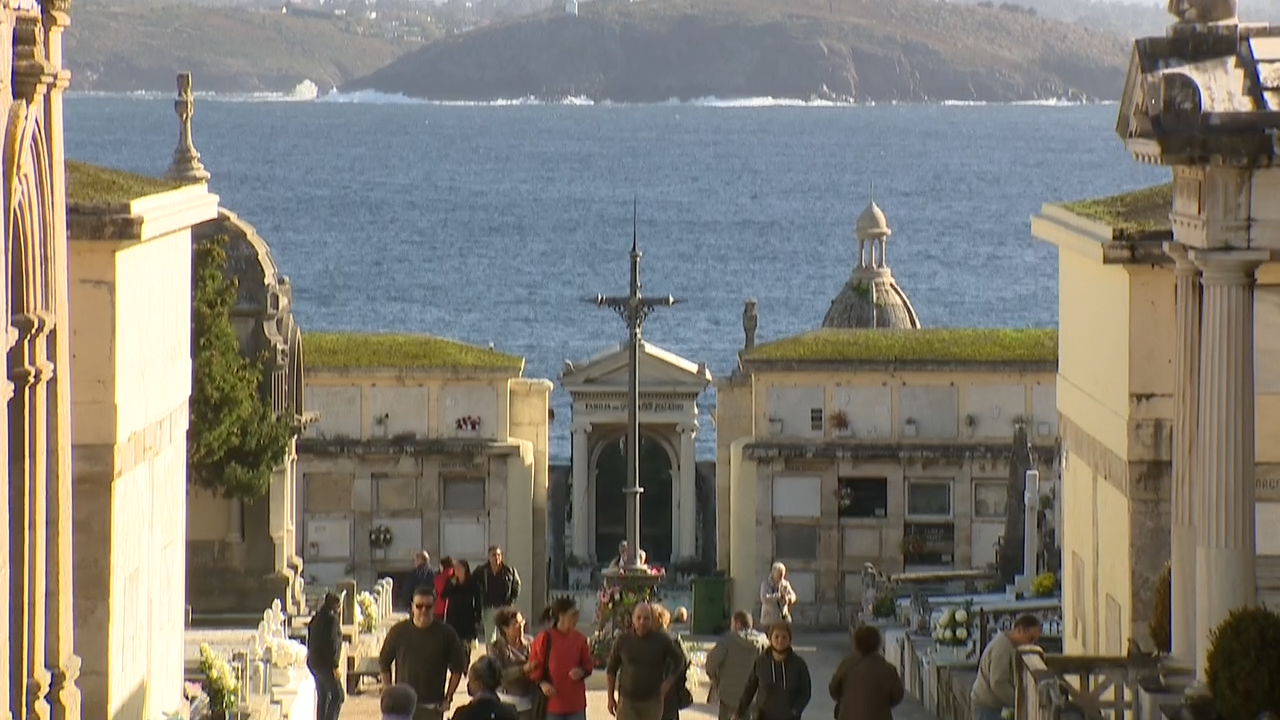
(1183, 510)
(235, 521)
(1225, 570)
(30, 372)
(64, 693)
(688, 516)
(581, 499)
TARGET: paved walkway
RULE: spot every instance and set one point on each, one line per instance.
(822, 652)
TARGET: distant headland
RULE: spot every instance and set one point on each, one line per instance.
(840, 50)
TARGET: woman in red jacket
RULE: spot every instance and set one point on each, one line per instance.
(442, 579)
(560, 662)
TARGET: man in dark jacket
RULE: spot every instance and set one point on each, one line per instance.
(499, 587)
(423, 576)
(324, 650)
(643, 668)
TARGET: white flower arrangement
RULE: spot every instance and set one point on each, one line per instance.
(286, 653)
(366, 612)
(220, 679)
(955, 627)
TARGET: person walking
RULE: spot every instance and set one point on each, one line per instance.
(779, 683)
(499, 588)
(865, 686)
(679, 697)
(424, 654)
(511, 651)
(639, 672)
(324, 650)
(560, 662)
(441, 580)
(462, 611)
(776, 597)
(422, 576)
(482, 684)
(731, 661)
(996, 685)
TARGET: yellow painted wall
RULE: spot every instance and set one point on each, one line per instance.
(1093, 347)
(131, 339)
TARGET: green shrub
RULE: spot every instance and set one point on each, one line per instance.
(1161, 622)
(1244, 664)
(1045, 585)
(885, 606)
(235, 439)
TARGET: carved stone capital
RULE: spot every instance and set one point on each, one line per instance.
(1229, 267)
(582, 426)
(32, 72)
(688, 428)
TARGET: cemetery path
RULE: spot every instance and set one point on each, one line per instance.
(821, 651)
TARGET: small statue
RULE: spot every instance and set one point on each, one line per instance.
(749, 322)
(1204, 11)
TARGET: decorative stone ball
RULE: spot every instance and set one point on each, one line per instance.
(681, 615)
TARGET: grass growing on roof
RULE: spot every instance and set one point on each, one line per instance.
(1137, 211)
(377, 350)
(930, 344)
(97, 185)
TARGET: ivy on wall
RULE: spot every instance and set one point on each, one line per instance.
(235, 439)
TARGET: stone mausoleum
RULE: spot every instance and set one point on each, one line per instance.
(672, 511)
(874, 441)
(421, 443)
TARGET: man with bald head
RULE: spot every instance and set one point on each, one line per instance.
(641, 669)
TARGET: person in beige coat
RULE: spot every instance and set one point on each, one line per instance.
(865, 686)
(730, 662)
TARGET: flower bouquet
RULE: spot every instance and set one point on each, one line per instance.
(366, 612)
(220, 680)
(955, 627)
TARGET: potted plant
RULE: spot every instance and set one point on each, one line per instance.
(1243, 664)
(1044, 585)
(885, 606)
(839, 421)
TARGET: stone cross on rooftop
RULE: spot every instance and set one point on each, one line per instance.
(185, 166)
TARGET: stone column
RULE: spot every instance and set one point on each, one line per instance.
(235, 521)
(1225, 571)
(8, 515)
(1183, 510)
(688, 516)
(581, 478)
(64, 693)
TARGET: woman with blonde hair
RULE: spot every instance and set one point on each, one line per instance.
(680, 697)
(776, 596)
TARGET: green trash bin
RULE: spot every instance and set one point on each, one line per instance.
(710, 605)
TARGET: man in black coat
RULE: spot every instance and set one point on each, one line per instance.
(324, 650)
(499, 587)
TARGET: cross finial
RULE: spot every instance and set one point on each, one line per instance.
(873, 191)
(635, 223)
(186, 166)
